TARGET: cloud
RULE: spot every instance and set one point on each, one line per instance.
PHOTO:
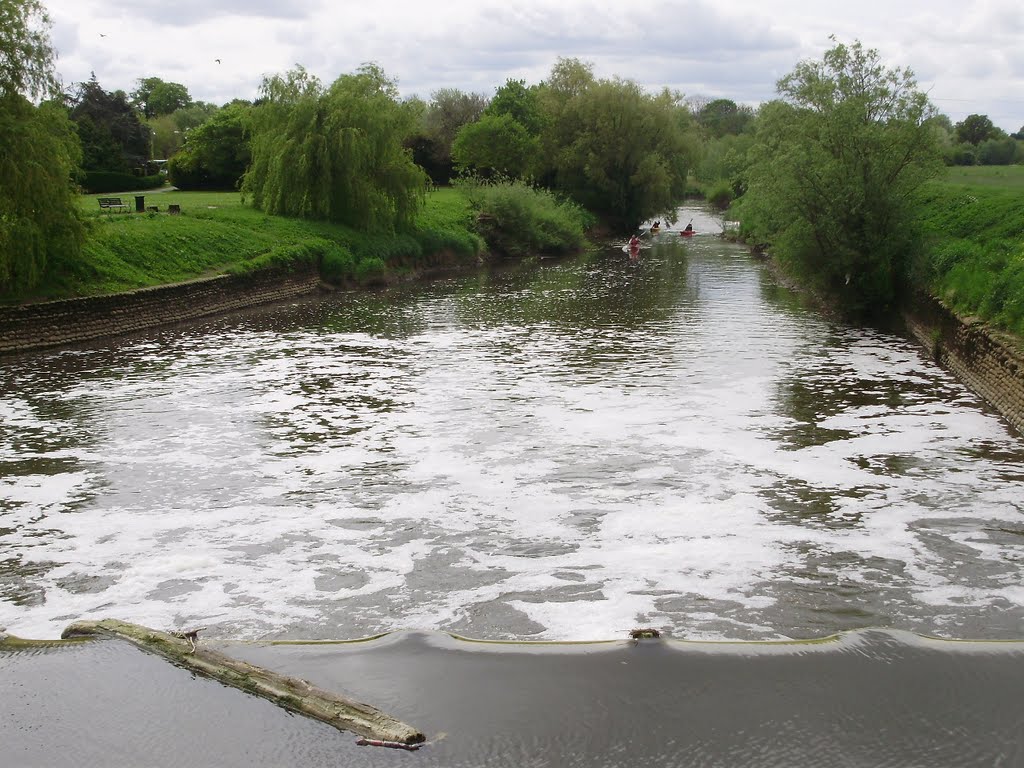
(735, 49)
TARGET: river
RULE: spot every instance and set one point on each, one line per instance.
(559, 451)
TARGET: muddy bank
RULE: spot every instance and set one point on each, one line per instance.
(866, 699)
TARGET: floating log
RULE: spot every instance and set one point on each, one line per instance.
(292, 693)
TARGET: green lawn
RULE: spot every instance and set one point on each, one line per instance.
(216, 232)
(1001, 176)
(974, 224)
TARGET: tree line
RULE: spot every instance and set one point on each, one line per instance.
(826, 173)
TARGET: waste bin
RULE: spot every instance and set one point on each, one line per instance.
(140, 203)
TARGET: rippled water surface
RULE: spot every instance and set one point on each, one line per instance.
(562, 451)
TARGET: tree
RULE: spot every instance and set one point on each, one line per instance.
(834, 172)
(156, 97)
(216, 154)
(103, 118)
(975, 129)
(1002, 151)
(505, 140)
(39, 154)
(449, 109)
(723, 117)
(495, 145)
(26, 54)
(616, 150)
(335, 154)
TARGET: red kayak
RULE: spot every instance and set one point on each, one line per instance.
(687, 232)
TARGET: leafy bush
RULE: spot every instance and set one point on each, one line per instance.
(370, 271)
(98, 182)
(337, 264)
(720, 195)
(516, 219)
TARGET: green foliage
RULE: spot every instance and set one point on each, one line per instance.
(975, 129)
(834, 174)
(520, 103)
(106, 120)
(156, 97)
(495, 145)
(39, 224)
(283, 258)
(449, 109)
(516, 219)
(216, 230)
(618, 151)
(216, 153)
(337, 265)
(370, 271)
(720, 195)
(975, 250)
(39, 153)
(335, 155)
(98, 182)
(725, 160)
(1004, 151)
(26, 53)
(722, 117)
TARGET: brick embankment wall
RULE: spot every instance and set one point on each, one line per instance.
(57, 323)
(990, 364)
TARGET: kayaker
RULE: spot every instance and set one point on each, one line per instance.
(634, 242)
(689, 228)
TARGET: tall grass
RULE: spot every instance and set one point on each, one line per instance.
(975, 247)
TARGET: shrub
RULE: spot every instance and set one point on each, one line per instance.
(98, 182)
(720, 195)
(516, 219)
(337, 264)
(370, 271)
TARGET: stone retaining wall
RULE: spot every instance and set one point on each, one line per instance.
(57, 323)
(990, 364)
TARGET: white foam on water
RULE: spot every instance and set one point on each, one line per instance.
(559, 482)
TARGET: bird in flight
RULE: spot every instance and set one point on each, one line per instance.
(102, 35)
(217, 60)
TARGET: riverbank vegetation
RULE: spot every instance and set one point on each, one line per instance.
(216, 232)
(973, 254)
(834, 178)
(834, 173)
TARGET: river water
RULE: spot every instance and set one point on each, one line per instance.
(556, 452)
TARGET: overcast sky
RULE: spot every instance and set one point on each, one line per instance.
(969, 56)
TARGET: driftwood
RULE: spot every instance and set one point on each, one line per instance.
(289, 692)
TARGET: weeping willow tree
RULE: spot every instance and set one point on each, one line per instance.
(337, 153)
(39, 153)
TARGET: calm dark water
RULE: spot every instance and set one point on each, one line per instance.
(872, 698)
(557, 452)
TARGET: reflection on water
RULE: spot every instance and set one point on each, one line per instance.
(869, 699)
(561, 451)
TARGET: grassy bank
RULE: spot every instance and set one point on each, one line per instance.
(217, 233)
(974, 227)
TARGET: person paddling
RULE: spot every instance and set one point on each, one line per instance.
(634, 242)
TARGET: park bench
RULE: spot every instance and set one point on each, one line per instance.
(107, 203)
